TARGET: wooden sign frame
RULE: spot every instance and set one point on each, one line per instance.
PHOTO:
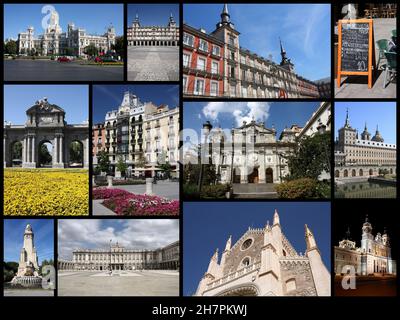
(371, 47)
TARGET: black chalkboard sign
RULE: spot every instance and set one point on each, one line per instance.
(355, 48)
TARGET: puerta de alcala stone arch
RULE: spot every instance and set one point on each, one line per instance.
(45, 123)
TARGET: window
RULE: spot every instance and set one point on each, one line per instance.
(233, 91)
(246, 244)
(188, 39)
(216, 51)
(244, 92)
(232, 72)
(231, 41)
(246, 262)
(186, 59)
(232, 55)
(290, 285)
(214, 89)
(199, 87)
(201, 64)
(203, 45)
(184, 84)
(214, 67)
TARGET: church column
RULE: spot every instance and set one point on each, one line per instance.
(261, 169)
(61, 150)
(28, 152)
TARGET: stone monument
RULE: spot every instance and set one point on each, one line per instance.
(28, 267)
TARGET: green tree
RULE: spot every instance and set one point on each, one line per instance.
(311, 157)
(103, 161)
(122, 166)
(141, 162)
(44, 155)
(69, 51)
(119, 46)
(76, 152)
(10, 47)
(17, 151)
(91, 50)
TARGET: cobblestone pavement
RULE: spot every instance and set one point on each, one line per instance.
(121, 283)
(153, 63)
(28, 293)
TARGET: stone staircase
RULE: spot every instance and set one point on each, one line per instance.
(254, 191)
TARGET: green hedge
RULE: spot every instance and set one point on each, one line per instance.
(304, 188)
(218, 191)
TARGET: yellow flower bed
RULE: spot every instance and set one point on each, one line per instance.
(55, 192)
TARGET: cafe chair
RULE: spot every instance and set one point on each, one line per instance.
(390, 67)
(383, 45)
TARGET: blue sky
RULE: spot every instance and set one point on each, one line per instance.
(43, 230)
(131, 233)
(382, 114)
(279, 114)
(94, 18)
(304, 29)
(153, 14)
(73, 99)
(109, 97)
(207, 226)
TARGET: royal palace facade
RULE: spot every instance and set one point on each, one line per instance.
(139, 35)
(142, 135)
(55, 42)
(362, 155)
(372, 258)
(214, 65)
(119, 258)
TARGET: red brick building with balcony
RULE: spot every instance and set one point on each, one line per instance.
(98, 138)
(203, 64)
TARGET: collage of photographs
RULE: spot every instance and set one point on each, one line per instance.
(219, 149)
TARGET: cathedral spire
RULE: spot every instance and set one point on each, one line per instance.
(310, 240)
(276, 218)
(347, 122)
(348, 233)
(228, 244)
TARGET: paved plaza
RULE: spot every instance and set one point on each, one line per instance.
(28, 293)
(120, 283)
(48, 70)
(153, 63)
(166, 189)
(357, 86)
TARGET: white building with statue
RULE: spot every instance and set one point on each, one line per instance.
(46, 125)
(55, 42)
(264, 263)
(373, 257)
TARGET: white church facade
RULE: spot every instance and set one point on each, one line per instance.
(264, 263)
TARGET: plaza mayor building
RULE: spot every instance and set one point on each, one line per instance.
(254, 153)
(55, 42)
(139, 35)
(214, 65)
(362, 155)
(263, 262)
(118, 257)
(373, 257)
(143, 135)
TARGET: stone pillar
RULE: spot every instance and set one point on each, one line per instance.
(29, 150)
(110, 180)
(61, 150)
(4, 150)
(55, 151)
(86, 154)
(261, 169)
(243, 174)
(23, 151)
(33, 150)
(149, 186)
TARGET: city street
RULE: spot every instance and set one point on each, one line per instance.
(48, 70)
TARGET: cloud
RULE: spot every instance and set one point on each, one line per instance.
(96, 234)
(241, 111)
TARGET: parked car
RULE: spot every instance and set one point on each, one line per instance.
(105, 58)
(64, 59)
